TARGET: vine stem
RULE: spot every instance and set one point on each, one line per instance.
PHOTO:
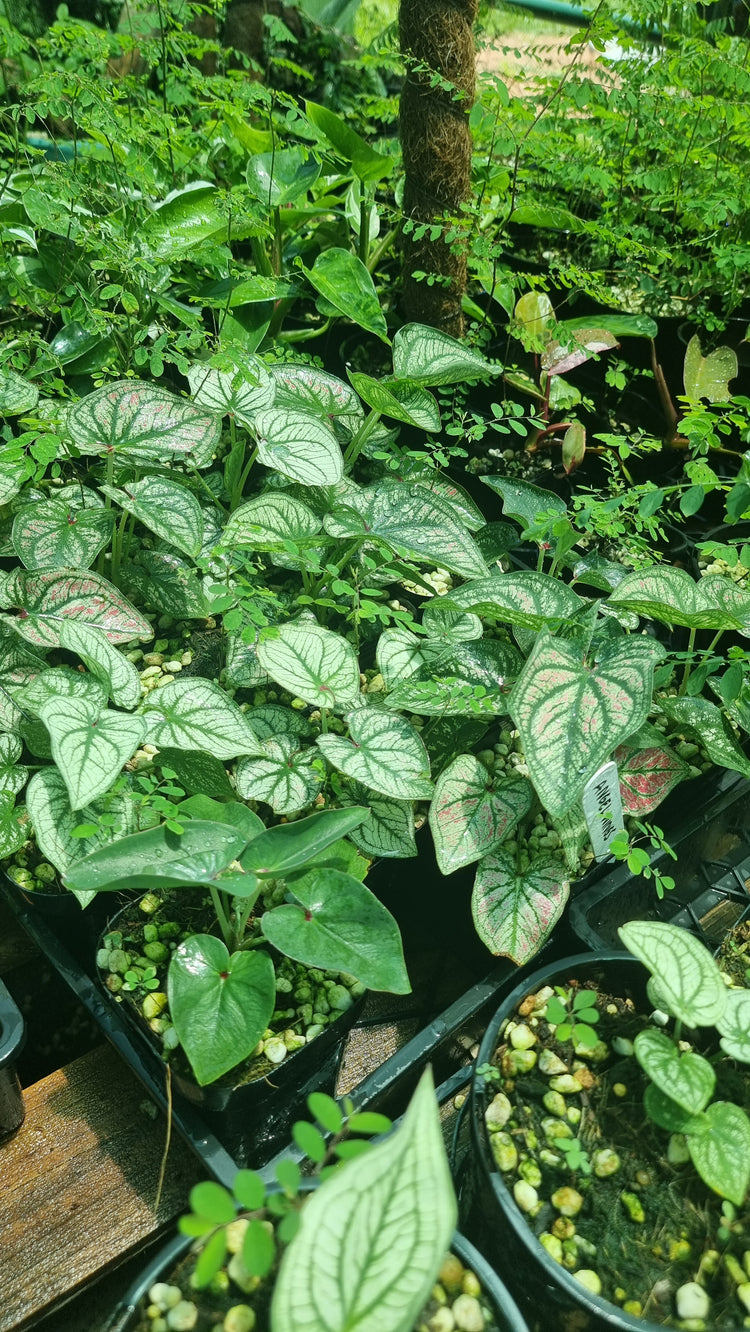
(688, 663)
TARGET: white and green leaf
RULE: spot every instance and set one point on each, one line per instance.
(410, 520)
(528, 599)
(110, 667)
(399, 399)
(515, 911)
(286, 778)
(240, 389)
(194, 713)
(88, 746)
(145, 423)
(313, 663)
(470, 814)
(269, 521)
(429, 356)
(689, 979)
(383, 752)
(165, 508)
(56, 533)
(42, 598)
(299, 445)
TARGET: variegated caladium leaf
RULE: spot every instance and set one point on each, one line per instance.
(734, 1025)
(270, 720)
(525, 502)
(61, 682)
(471, 814)
(515, 911)
(573, 832)
(383, 752)
(410, 520)
(13, 775)
(165, 508)
(452, 626)
(300, 445)
(561, 355)
(168, 583)
(242, 669)
(285, 778)
(399, 399)
(389, 832)
(54, 821)
(302, 387)
(196, 714)
(268, 521)
(571, 716)
(144, 423)
(17, 395)
(722, 1154)
(18, 667)
(89, 746)
(731, 598)
(14, 472)
(647, 776)
(429, 356)
(688, 978)
(710, 726)
(528, 599)
(466, 679)
(312, 662)
(14, 824)
(57, 533)
(447, 738)
(671, 596)
(400, 653)
(41, 599)
(232, 386)
(110, 667)
(413, 473)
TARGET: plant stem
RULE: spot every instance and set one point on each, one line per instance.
(358, 441)
(223, 919)
(688, 663)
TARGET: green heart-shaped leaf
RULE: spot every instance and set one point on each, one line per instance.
(268, 521)
(470, 816)
(368, 164)
(316, 664)
(686, 1078)
(110, 667)
(342, 279)
(529, 600)
(145, 423)
(734, 1025)
(384, 753)
(88, 746)
(220, 1005)
(291, 846)
(400, 654)
(158, 858)
(465, 679)
(199, 772)
(709, 376)
(570, 717)
(670, 1116)
(711, 727)
(299, 445)
(429, 356)
(197, 714)
(412, 520)
(165, 508)
(278, 178)
(285, 778)
(339, 925)
(43, 598)
(514, 913)
(526, 502)
(400, 399)
(55, 533)
(690, 982)
(241, 388)
(722, 1155)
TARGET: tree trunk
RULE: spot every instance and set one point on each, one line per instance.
(438, 45)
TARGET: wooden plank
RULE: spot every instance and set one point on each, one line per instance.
(78, 1183)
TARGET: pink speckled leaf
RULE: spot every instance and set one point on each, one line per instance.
(515, 913)
(470, 816)
(571, 716)
(42, 598)
(144, 422)
(647, 776)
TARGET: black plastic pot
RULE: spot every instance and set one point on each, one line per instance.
(77, 927)
(711, 874)
(12, 1035)
(123, 1317)
(548, 1295)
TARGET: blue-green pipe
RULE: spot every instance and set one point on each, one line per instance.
(564, 13)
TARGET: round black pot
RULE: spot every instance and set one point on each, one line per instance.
(548, 1295)
(123, 1317)
(77, 927)
(12, 1035)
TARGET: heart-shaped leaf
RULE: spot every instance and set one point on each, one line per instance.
(452, 626)
(268, 521)
(389, 831)
(316, 664)
(564, 352)
(647, 776)
(666, 593)
(239, 389)
(535, 315)
(470, 815)
(403, 1187)
(61, 682)
(199, 772)
(734, 1025)
(165, 508)
(110, 667)
(711, 727)
(525, 502)
(429, 356)
(570, 717)
(54, 821)
(278, 178)
(220, 1005)
(160, 859)
(530, 600)
(708, 376)
(368, 165)
(285, 778)
(14, 825)
(410, 520)
(722, 1155)
(514, 913)
(17, 395)
(292, 846)
(143, 422)
(185, 219)
(466, 679)
(399, 399)
(13, 775)
(55, 533)
(300, 446)
(670, 1116)
(88, 746)
(339, 925)
(400, 653)
(687, 1078)
(342, 279)
(43, 598)
(690, 982)
(18, 667)
(168, 583)
(194, 713)
(14, 472)
(303, 387)
(384, 753)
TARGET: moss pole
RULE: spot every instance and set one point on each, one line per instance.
(438, 45)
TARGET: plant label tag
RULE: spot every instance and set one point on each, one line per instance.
(602, 809)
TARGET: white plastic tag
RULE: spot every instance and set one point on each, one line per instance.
(602, 809)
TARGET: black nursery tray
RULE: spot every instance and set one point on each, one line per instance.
(711, 874)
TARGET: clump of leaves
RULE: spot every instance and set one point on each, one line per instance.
(574, 1013)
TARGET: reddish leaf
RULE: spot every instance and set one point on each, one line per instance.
(43, 598)
(647, 776)
(573, 447)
